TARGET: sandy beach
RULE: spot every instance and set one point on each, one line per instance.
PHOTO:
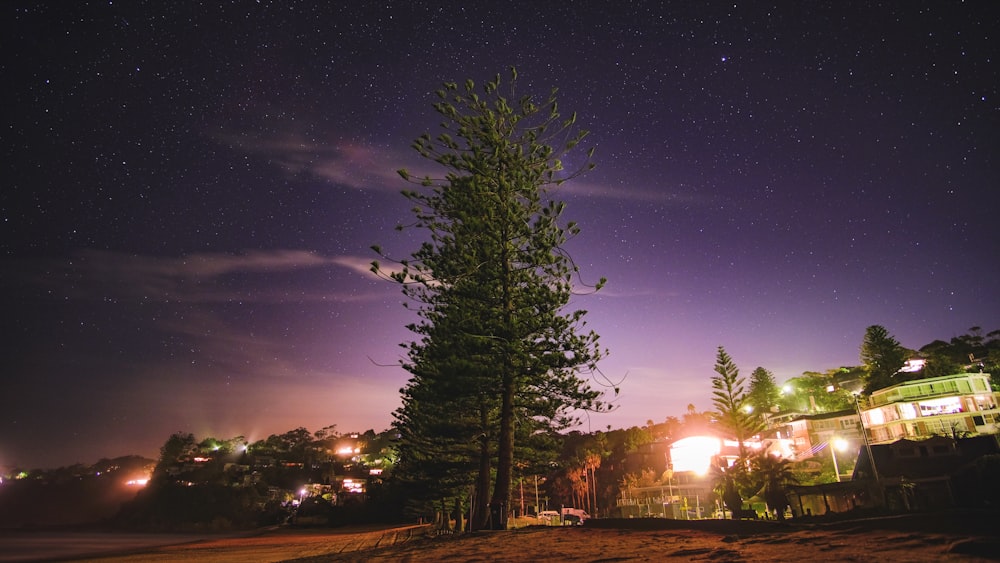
(913, 538)
(749, 544)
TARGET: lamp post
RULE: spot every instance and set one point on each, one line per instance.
(864, 435)
(868, 450)
(836, 444)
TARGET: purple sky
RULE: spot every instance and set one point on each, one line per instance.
(190, 194)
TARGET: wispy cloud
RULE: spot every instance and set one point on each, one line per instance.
(344, 163)
(200, 278)
(365, 167)
(673, 195)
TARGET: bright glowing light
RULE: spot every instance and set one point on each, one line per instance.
(839, 444)
(876, 416)
(944, 405)
(695, 453)
(352, 486)
(137, 482)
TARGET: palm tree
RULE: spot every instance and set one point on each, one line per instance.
(727, 485)
(774, 475)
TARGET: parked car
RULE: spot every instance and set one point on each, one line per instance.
(574, 516)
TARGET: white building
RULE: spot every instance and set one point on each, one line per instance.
(962, 404)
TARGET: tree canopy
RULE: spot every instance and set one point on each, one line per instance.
(731, 400)
(882, 355)
(763, 394)
(497, 356)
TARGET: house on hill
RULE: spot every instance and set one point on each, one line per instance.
(955, 405)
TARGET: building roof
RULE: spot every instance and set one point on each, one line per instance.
(825, 415)
(927, 380)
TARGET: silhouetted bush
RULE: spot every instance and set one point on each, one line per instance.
(172, 507)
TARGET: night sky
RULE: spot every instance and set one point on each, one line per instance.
(190, 193)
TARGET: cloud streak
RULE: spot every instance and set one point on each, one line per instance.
(200, 278)
(354, 165)
(368, 167)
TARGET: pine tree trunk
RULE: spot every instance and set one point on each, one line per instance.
(480, 513)
(459, 516)
(500, 502)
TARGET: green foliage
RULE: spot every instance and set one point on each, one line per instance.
(971, 352)
(731, 401)
(179, 447)
(939, 365)
(763, 395)
(496, 354)
(882, 355)
(811, 392)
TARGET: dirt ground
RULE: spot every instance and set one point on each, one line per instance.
(888, 540)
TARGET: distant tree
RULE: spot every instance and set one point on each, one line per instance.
(496, 253)
(694, 421)
(326, 432)
(731, 401)
(882, 355)
(939, 365)
(815, 392)
(991, 365)
(763, 393)
(665, 430)
(972, 352)
(179, 447)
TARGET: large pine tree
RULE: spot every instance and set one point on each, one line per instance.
(882, 356)
(492, 283)
(731, 400)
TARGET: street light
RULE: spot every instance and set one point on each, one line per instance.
(864, 434)
(868, 449)
(836, 444)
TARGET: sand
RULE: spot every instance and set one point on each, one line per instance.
(609, 544)
(906, 539)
